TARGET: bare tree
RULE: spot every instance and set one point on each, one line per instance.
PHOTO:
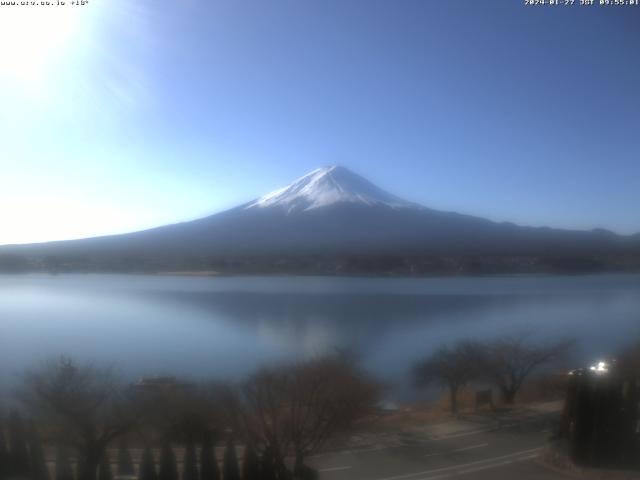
(259, 412)
(296, 409)
(181, 411)
(327, 395)
(452, 367)
(84, 405)
(509, 360)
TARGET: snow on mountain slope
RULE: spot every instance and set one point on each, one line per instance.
(327, 186)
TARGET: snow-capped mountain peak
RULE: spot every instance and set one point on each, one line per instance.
(327, 186)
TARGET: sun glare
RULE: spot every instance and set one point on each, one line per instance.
(33, 37)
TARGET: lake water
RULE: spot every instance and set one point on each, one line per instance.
(224, 327)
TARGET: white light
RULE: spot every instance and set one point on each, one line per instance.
(32, 37)
(600, 367)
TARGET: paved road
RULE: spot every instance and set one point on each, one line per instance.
(502, 447)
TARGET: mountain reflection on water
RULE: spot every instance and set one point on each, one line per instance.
(227, 327)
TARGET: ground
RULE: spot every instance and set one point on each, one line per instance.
(502, 445)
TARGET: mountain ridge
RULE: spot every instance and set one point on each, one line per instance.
(330, 212)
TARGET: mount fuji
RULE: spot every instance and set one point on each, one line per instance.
(330, 211)
(328, 186)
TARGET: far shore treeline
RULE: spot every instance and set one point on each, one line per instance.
(327, 264)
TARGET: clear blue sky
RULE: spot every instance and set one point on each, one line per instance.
(123, 114)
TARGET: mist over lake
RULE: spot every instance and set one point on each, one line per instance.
(226, 327)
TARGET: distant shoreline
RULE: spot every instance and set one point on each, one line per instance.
(217, 274)
(192, 273)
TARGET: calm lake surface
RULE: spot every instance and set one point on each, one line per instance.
(225, 327)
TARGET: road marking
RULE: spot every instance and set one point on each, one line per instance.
(480, 468)
(353, 451)
(373, 449)
(462, 434)
(510, 456)
(474, 432)
(335, 469)
(472, 447)
(498, 464)
(432, 438)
